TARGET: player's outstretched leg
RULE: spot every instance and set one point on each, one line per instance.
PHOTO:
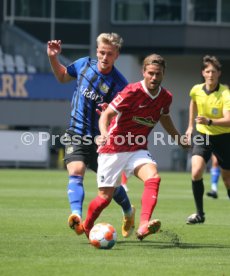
(96, 206)
(148, 228)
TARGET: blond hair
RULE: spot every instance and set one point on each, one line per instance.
(154, 59)
(110, 38)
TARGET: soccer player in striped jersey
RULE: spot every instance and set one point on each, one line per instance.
(125, 126)
(96, 82)
(210, 110)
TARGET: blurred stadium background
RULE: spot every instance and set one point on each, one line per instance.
(31, 100)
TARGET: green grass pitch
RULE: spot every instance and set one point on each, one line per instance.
(35, 239)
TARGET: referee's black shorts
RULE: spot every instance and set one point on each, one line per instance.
(79, 148)
(217, 144)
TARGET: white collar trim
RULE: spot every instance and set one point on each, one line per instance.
(147, 91)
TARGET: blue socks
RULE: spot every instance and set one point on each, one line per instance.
(121, 198)
(76, 194)
(215, 173)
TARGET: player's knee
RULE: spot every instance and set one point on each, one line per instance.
(76, 168)
(154, 175)
(106, 193)
(197, 174)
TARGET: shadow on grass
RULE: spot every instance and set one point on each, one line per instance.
(170, 239)
(167, 245)
(166, 239)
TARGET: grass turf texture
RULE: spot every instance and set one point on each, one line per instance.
(35, 239)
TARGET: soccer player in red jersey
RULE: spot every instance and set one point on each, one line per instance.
(97, 82)
(125, 126)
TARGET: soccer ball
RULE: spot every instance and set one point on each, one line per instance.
(103, 236)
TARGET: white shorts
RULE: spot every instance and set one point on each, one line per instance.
(110, 166)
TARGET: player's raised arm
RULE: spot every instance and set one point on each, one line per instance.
(59, 70)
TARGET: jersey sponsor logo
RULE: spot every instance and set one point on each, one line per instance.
(104, 88)
(90, 94)
(149, 122)
(142, 105)
(117, 100)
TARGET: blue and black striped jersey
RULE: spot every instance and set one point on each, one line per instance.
(92, 88)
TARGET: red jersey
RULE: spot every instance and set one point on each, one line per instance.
(137, 113)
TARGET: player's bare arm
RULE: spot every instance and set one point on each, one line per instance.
(104, 121)
(192, 114)
(168, 125)
(224, 122)
(102, 107)
(59, 70)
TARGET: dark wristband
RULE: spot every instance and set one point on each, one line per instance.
(209, 122)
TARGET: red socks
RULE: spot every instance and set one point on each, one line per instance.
(148, 203)
(96, 206)
(149, 198)
(123, 178)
